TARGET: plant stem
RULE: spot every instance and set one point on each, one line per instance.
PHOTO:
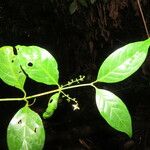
(48, 92)
(42, 94)
(76, 86)
(11, 99)
(144, 22)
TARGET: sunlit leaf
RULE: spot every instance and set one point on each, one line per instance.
(123, 62)
(73, 7)
(38, 64)
(52, 106)
(114, 111)
(25, 131)
(10, 71)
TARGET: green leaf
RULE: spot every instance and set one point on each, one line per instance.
(52, 106)
(73, 7)
(10, 71)
(92, 1)
(39, 64)
(25, 131)
(114, 111)
(83, 3)
(123, 62)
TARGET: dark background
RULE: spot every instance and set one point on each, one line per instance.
(80, 42)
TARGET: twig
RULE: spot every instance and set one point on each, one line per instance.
(139, 5)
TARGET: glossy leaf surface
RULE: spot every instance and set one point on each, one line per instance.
(10, 71)
(39, 64)
(114, 111)
(25, 131)
(123, 62)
